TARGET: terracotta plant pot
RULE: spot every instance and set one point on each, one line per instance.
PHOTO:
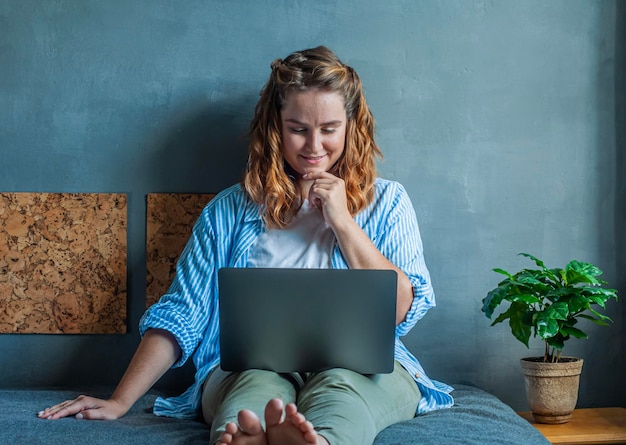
(552, 388)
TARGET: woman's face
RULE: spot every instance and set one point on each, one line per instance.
(313, 130)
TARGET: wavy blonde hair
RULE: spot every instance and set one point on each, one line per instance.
(269, 180)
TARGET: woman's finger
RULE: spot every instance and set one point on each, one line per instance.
(68, 408)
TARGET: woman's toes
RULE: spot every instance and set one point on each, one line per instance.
(249, 422)
(231, 428)
(273, 412)
(293, 416)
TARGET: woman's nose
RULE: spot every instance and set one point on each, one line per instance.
(314, 141)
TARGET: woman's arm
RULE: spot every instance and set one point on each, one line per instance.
(329, 194)
(360, 253)
(156, 353)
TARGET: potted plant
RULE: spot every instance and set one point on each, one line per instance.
(548, 303)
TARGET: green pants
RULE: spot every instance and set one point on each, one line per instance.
(345, 407)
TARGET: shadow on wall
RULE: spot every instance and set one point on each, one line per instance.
(204, 147)
(620, 179)
(620, 139)
(598, 384)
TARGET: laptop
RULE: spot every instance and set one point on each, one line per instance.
(307, 320)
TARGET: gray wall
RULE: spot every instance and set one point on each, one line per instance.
(500, 117)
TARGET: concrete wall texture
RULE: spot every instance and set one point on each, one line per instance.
(505, 121)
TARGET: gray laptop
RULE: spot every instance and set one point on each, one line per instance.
(307, 320)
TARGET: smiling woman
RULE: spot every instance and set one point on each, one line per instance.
(311, 139)
(314, 131)
(317, 70)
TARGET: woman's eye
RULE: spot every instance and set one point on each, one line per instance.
(298, 130)
(328, 130)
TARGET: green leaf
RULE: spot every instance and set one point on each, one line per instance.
(600, 316)
(558, 311)
(518, 323)
(526, 298)
(577, 272)
(577, 303)
(528, 279)
(557, 342)
(493, 299)
(598, 300)
(546, 324)
(537, 261)
(547, 328)
(574, 332)
(503, 316)
(551, 274)
(531, 282)
(593, 319)
(503, 272)
(605, 293)
(554, 275)
(571, 321)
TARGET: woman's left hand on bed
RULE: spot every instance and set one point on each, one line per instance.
(85, 407)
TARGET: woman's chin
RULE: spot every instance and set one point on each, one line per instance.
(314, 169)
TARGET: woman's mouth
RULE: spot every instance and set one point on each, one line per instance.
(313, 160)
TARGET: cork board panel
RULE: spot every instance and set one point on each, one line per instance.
(62, 263)
(169, 223)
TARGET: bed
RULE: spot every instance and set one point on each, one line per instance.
(476, 418)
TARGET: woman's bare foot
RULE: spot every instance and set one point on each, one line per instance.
(294, 429)
(248, 431)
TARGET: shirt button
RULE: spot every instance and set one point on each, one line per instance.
(417, 375)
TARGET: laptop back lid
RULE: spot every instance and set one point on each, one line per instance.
(307, 320)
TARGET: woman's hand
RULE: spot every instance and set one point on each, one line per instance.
(328, 193)
(157, 352)
(85, 407)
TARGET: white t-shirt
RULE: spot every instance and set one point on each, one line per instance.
(307, 243)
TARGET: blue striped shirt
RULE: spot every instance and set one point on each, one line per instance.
(223, 237)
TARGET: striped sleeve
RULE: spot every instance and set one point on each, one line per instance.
(188, 306)
(401, 243)
(398, 237)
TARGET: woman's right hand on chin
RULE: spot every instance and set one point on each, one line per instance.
(85, 407)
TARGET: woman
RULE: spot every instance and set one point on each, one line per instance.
(310, 198)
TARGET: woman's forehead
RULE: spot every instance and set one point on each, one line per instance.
(314, 102)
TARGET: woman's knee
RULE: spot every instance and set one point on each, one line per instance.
(258, 377)
(336, 379)
(246, 389)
